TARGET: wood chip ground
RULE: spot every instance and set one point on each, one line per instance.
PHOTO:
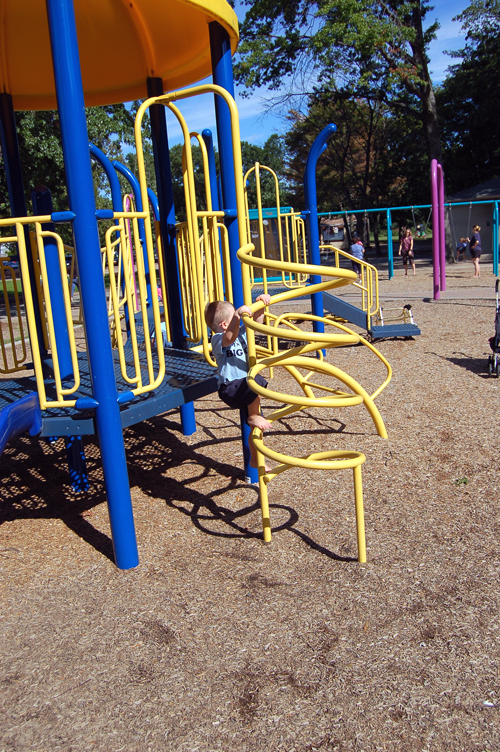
(217, 642)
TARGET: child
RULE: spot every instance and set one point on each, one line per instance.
(358, 252)
(229, 348)
(461, 248)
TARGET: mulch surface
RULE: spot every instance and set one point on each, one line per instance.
(217, 642)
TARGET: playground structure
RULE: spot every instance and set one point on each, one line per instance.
(120, 372)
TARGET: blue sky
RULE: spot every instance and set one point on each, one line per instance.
(256, 126)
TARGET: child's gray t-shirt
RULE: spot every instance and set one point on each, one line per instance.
(232, 361)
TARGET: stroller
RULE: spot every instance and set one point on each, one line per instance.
(494, 360)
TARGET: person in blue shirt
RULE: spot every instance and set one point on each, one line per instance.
(230, 350)
(461, 248)
(358, 252)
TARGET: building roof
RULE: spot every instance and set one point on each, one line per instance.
(483, 191)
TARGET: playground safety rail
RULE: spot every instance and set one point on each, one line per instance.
(368, 284)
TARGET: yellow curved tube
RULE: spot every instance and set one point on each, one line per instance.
(295, 362)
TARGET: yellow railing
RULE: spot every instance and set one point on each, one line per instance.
(129, 293)
(368, 284)
(42, 294)
(298, 362)
(290, 230)
(12, 333)
(202, 250)
(142, 373)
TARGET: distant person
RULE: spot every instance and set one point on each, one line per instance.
(406, 250)
(358, 252)
(475, 248)
(461, 248)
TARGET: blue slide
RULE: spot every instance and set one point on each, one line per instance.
(22, 415)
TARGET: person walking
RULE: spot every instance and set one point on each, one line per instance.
(406, 250)
(475, 248)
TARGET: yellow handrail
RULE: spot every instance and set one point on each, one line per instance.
(370, 302)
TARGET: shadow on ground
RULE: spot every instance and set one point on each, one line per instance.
(35, 481)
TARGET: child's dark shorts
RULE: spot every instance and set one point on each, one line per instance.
(237, 394)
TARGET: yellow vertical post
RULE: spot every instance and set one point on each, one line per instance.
(360, 518)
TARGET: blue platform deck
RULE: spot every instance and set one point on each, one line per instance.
(188, 377)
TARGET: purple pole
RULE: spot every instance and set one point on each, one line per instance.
(435, 230)
(442, 240)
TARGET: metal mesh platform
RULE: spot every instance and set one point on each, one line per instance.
(394, 330)
(187, 377)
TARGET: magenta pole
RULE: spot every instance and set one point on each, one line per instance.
(435, 229)
(442, 238)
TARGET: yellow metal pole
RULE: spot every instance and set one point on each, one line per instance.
(360, 518)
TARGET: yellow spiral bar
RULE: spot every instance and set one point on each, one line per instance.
(302, 361)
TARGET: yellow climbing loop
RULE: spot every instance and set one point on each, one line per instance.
(298, 360)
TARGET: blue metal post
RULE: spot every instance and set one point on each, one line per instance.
(116, 202)
(390, 250)
(71, 106)
(42, 204)
(317, 148)
(212, 172)
(167, 228)
(222, 73)
(442, 237)
(214, 186)
(167, 211)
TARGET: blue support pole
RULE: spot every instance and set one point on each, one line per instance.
(390, 249)
(116, 202)
(77, 464)
(167, 228)
(71, 106)
(42, 204)
(316, 150)
(222, 74)
(212, 172)
(167, 211)
(214, 186)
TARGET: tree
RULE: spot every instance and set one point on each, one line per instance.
(373, 50)
(370, 161)
(468, 100)
(39, 137)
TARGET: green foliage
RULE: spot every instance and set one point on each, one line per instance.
(376, 51)
(109, 128)
(372, 160)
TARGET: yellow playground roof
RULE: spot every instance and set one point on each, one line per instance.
(121, 44)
